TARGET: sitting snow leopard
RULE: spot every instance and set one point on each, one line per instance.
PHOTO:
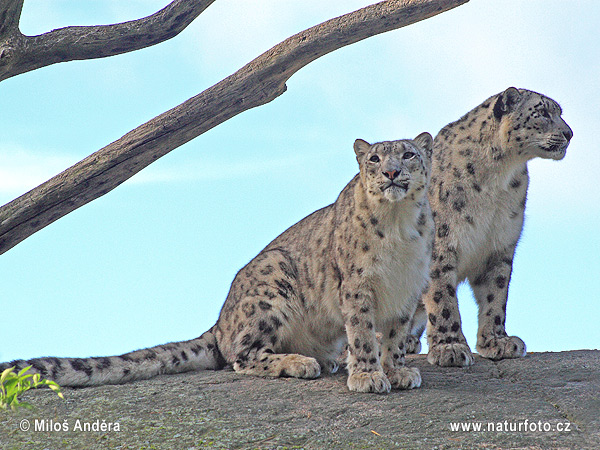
(478, 191)
(338, 276)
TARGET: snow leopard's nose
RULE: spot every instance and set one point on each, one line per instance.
(568, 133)
(391, 174)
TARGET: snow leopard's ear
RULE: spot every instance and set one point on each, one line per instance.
(425, 142)
(506, 102)
(361, 148)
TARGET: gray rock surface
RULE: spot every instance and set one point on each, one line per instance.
(223, 410)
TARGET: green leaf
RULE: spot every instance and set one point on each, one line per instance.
(22, 371)
(6, 373)
(14, 384)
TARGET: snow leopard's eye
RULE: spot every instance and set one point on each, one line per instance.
(408, 155)
(374, 159)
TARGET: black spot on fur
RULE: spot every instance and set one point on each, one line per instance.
(271, 295)
(443, 230)
(445, 313)
(364, 309)
(258, 343)
(103, 363)
(458, 205)
(276, 322)
(437, 296)
(337, 274)
(455, 327)
(392, 333)
(432, 319)
(264, 327)
(39, 367)
(490, 298)
(442, 329)
(498, 320)
(246, 340)
(264, 305)
(354, 321)
(451, 290)
(289, 271)
(501, 282)
(267, 270)
(285, 288)
(81, 366)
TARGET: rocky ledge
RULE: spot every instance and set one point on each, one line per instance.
(543, 401)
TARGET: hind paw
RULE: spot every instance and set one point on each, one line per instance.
(299, 366)
(413, 344)
(501, 347)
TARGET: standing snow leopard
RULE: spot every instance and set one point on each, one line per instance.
(339, 275)
(478, 191)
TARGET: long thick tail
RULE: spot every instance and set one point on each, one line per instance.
(176, 357)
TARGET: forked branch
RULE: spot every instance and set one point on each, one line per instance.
(259, 82)
(20, 53)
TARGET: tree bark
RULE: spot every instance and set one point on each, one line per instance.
(257, 83)
(20, 53)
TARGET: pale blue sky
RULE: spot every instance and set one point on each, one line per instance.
(152, 261)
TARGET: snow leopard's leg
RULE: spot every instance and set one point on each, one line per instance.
(393, 352)
(447, 343)
(365, 372)
(490, 287)
(417, 328)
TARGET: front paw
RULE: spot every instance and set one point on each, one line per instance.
(501, 347)
(445, 355)
(404, 378)
(413, 344)
(369, 382)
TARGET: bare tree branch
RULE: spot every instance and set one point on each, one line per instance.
(20, 53)
(10, 14)
(259, 82)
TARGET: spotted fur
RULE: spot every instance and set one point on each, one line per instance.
(336, 277)
(478, 192)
